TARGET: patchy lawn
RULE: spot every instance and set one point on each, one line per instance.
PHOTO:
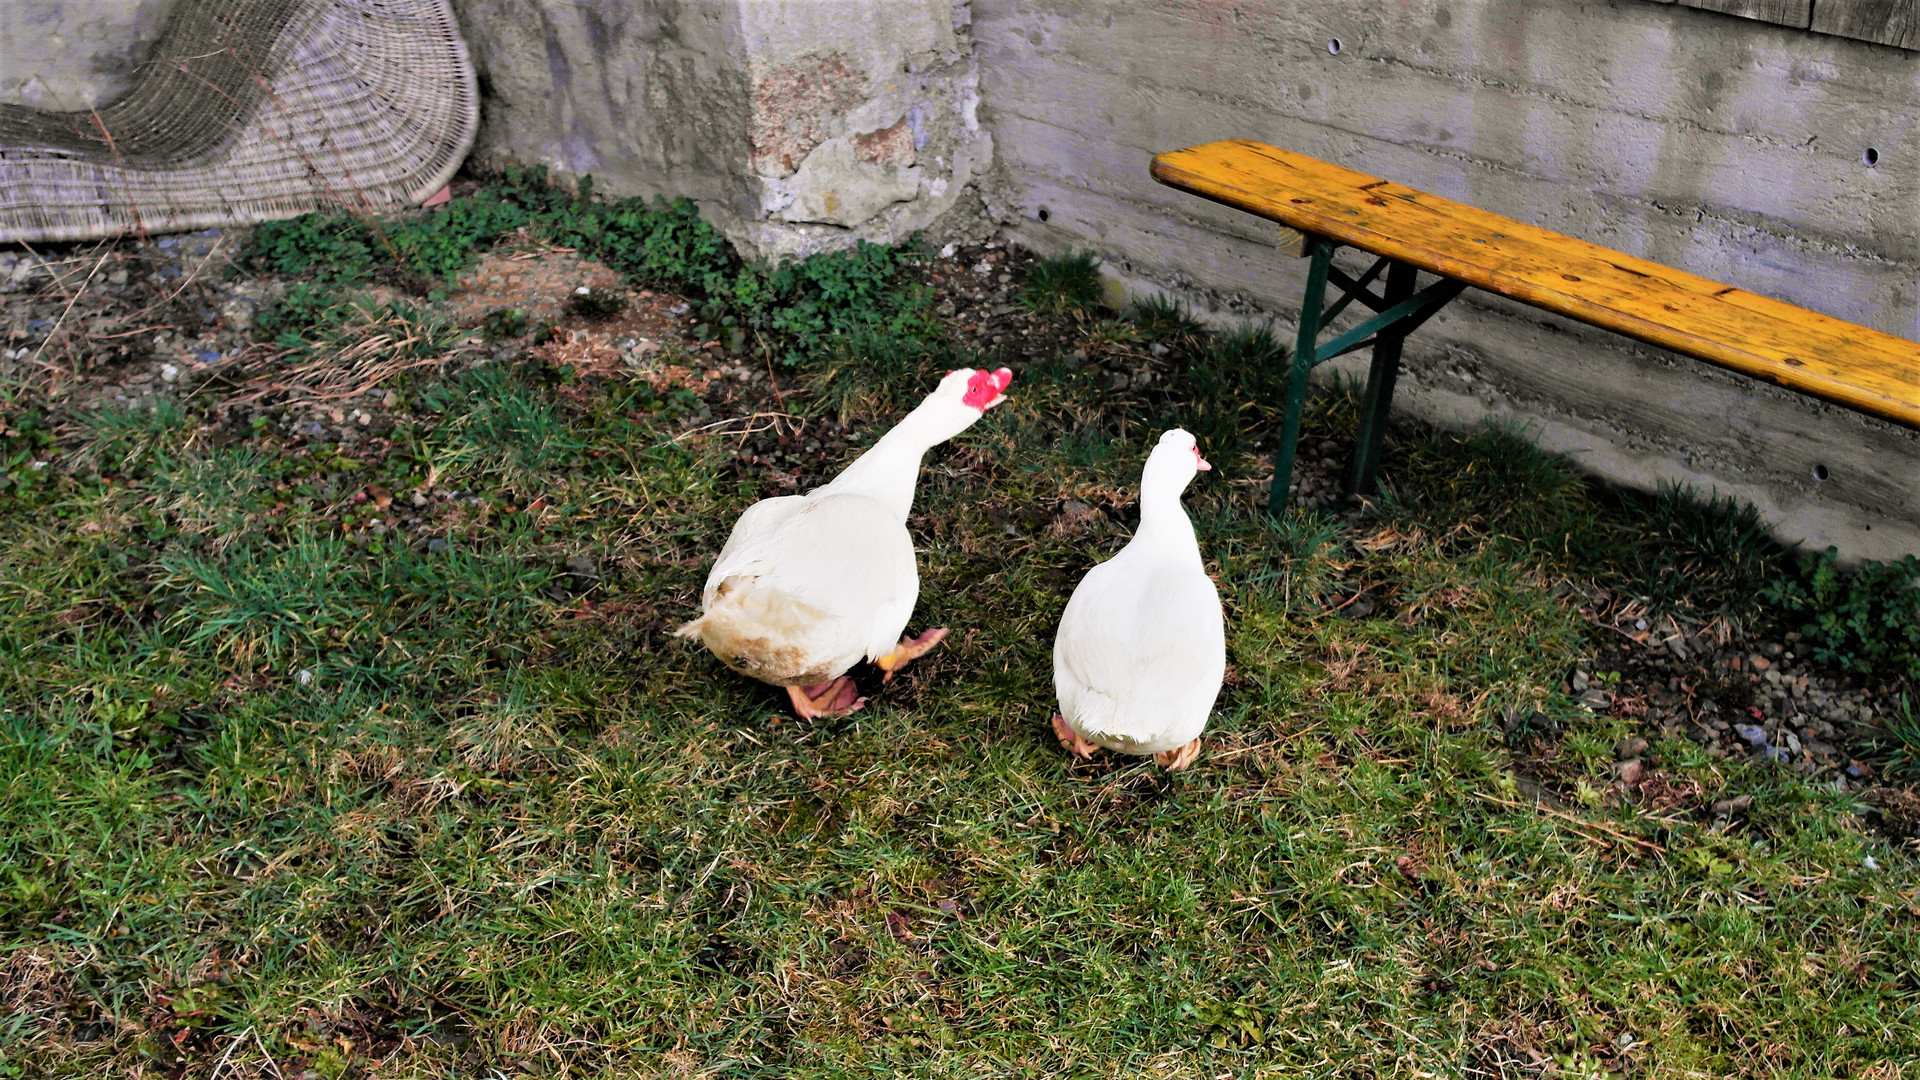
(342, 731)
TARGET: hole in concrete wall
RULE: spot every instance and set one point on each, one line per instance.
(1044, 213)
(1821, 474)
(1870, 158)
(1334, 46)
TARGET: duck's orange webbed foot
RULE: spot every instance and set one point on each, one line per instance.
(908, 649)
(836, 698)
(1069, 738)
(1179, 758)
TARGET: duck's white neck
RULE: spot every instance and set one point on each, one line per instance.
(1164, 527)
(888, 471)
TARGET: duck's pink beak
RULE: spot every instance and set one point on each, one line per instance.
(1200, 462)
(988, 388)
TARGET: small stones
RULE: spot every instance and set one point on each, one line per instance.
(1632, 746)
(1726, 808)
(1628, 772)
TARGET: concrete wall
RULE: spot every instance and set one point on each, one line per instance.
(650, 97)
(1726, 147)
(800, 124)
(61, 55)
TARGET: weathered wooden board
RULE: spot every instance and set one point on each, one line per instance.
(1803, 350)
(1798, 13)
(1889, 22)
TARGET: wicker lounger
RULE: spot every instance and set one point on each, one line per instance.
(251, 110)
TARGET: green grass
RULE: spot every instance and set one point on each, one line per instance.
(1063, 285)
(280, 792)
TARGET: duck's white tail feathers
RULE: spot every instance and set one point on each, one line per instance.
(763, 633)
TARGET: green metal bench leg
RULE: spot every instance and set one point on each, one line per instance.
(1304, 355)
(1378, 401)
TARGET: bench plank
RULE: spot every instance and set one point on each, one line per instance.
(1803, 350)
(1794, 13)
(1889, 22)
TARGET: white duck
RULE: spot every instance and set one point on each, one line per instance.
(1142, 646)
(809, 585)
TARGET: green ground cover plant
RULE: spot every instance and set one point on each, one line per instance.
(1866, 620)
(789, 310)
(283, 790)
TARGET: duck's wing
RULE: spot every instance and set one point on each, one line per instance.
(844, 560)
(749, 537)
(1091, 648)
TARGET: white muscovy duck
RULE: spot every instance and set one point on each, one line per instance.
(1142, 646)
(809, 585)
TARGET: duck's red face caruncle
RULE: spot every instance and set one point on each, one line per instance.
(987, 388)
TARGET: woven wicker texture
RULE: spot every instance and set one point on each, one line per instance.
(251, 110)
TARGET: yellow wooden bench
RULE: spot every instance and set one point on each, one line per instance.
(1412, 231)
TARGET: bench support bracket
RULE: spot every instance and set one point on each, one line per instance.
(1401, 311)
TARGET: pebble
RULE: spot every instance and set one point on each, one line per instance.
(1632, 746)
(1739, 804)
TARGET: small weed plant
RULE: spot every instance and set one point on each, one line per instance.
(1866, 621)
(1067, 284)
